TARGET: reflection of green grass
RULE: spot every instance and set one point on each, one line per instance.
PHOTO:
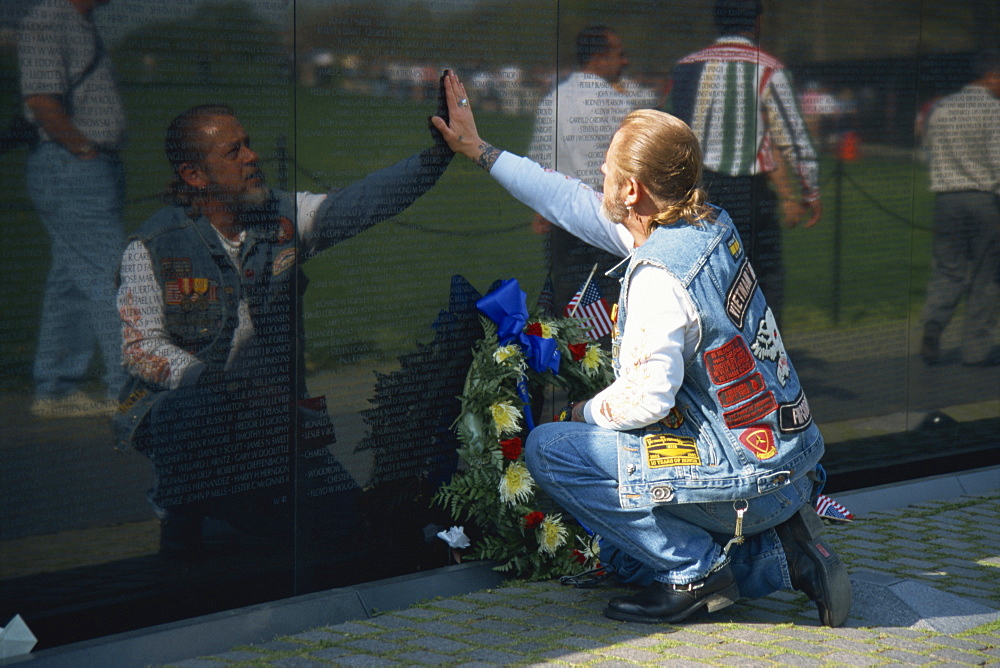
(374, 295)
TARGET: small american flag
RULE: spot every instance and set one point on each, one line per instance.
(593, 311)
(829, 509)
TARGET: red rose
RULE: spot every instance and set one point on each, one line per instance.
(511, 448)
(533, 519)
(579, 351)
(534, 329)
(579, 557)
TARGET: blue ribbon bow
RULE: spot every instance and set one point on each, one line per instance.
(507, 307)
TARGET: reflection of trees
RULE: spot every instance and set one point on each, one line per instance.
(218, 43)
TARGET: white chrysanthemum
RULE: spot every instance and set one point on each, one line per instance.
(551, 534)
(549, 330)
(516, 484)
(510, 355)
(590, 547)
(506, 417)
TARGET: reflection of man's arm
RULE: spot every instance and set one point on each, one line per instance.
(380, 195)
(51, 116)
(791, 139)
(542, 150)
(147, 351)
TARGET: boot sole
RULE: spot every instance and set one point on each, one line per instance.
(835, 603)
(717, 601)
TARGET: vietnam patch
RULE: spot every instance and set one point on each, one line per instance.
(741, 391)
(759, 440)
(729, 361)
(795, 416)
(283, 261)
(665, 450)
(740, 293)
(752, 412)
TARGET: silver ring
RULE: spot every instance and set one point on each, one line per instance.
(464, 102)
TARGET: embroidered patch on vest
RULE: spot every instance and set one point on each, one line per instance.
(674, 419)
(729, 361)
(735, 247)
(664, 450)
(286, 231)
(741, 391)
(768, 346)
(752, 412)
(283, 261)
(740, 293)
(759, 439)
(795, 416)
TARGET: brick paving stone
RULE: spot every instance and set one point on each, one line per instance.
(958, 656)
(906, 657)
(330, 653)
(354, 629)
(797, 660)
(498, 626)
(563, 656)
(316, 635)
(851, 659)
(452, 604)
(693, 652)
(576, 642)
(416, 656)
(967, 643)
(298, 662)
(630, 653)
(418, 613)
(376, 645)
(438, 644)
(366, 660)
(494, 656)
(235, 656)
(800, 647)
(196, 663)
(504, 612)
(749, 635)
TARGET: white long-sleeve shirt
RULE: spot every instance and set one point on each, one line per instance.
(663, 328)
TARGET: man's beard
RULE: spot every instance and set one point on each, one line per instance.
(255, 196)
(613, 209)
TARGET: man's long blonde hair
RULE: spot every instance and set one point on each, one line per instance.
(661, 152)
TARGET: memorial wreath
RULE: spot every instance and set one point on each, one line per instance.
(520, 357)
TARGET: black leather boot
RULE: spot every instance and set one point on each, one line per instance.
(815, 568)
(664, 603)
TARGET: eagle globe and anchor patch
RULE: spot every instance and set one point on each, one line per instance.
(665, 450)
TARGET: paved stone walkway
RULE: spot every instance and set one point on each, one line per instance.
(915, 571)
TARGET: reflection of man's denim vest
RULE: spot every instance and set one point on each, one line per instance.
(202, 290)
(741, 426)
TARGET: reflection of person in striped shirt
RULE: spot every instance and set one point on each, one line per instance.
(740, 103)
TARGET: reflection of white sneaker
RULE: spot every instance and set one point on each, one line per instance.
(76, 405)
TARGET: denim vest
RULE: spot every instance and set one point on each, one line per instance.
(741, 425)
(202, 290)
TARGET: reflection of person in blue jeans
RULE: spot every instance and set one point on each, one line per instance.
(697, 466)
(76, 183)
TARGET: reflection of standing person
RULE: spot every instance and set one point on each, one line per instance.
(740, 104)
(76, 184)
(697, 466)
(573, 125)
(963, 141)
(210, 300)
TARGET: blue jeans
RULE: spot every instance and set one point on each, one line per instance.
(577, 464)
(80, 204)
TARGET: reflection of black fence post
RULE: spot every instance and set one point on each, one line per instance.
(838, 203)
(282, 151)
